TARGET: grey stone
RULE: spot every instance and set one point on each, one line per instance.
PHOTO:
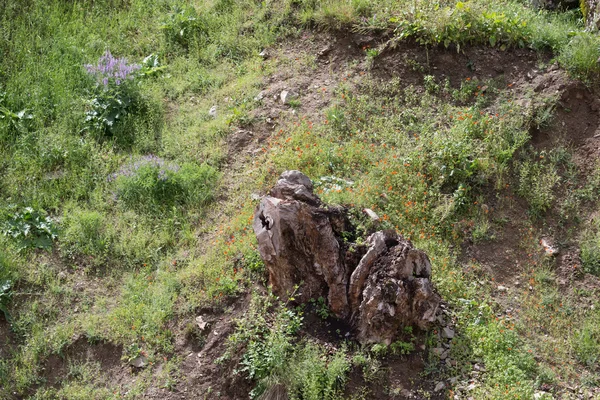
(371, 214)
(287, 95)
(201, 322)
(448, 333)
(139, 362)
(213, 111)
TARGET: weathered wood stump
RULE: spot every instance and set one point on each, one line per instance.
(379, 287)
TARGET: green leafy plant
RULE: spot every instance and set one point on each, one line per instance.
(30, 229)
(586, 343)
(183, 26)
(5, 295)
(17, 121)
(321, 308)
(536, 183)
(115, 94)
(402, 348)
(431, 86)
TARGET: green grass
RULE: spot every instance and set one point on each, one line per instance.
(138, 247)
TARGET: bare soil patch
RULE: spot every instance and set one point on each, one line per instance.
(108, 355)
(410, 62)
(7, 340)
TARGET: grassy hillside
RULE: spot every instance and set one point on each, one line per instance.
(135, 140)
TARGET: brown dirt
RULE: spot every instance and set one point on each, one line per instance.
(7, 340)
(400, 378)
(55, 369)
(201, 376)
(410, 63)
(505, 254)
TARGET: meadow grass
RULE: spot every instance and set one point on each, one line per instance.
(133, 253)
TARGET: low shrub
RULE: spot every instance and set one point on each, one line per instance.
(536, 183)
(184, 26)
(586, 343)
(152, 182)
(85, 232)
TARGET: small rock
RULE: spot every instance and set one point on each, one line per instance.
(438, 351)
(264, 54)
(502, 288)
(448, 333)
(139, 362)
(548, 248)
(62, 275)
(255, 196)
(213, 111)
(478, 367)
(444, 355)
(260, 96)
(371, 214)
(439, 386)
(471, 387)
(201, 322)
(288, 95)
(325, 50)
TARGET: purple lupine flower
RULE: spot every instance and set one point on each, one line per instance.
(110, 68)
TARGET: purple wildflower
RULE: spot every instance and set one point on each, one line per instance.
(111, 69)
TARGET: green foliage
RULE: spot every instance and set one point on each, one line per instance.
(30, 228)
(430, 85)
(184, 26)
(271, 357)
(86, 232)
(13, 123)
(254, 262)
(590, 250)
(314, 376)
(536, 184)
(510, 367)
(321, 308)
(586, 342)
(5, 295)
(153, 184)
(580, 56)
(402, 348)
(369, 364)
